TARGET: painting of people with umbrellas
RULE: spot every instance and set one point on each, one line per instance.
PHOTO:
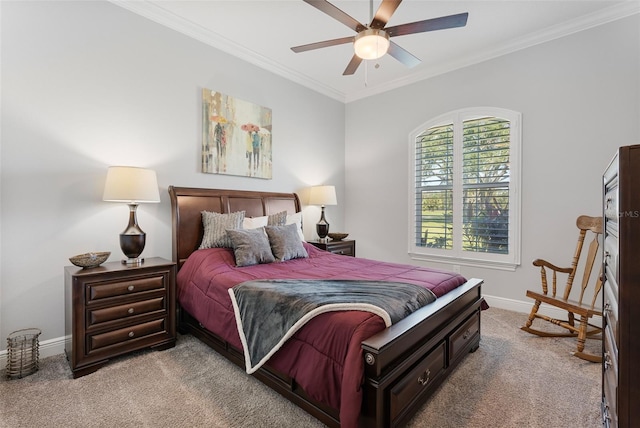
(236, 136)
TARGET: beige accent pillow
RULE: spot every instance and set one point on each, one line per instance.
(215, 228)
(277, 219)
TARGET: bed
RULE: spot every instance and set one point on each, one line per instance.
(373, 375)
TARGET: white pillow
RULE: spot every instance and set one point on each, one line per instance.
(254, 222)
(297, 220)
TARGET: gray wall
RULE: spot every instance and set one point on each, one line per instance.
(86, 85)
(580, 99)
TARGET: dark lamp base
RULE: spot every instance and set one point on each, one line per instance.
(322, 227)
(133, 239)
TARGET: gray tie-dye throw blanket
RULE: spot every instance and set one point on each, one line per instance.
(268, 312)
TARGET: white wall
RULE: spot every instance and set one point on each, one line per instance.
(86, 85)
(580, 99)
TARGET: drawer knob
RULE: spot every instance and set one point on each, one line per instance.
(130, 310)
(607, 360)
(424, 377)
(131, 334)
(466, 334)
(607, 417)
(370, 359)
(130, 288)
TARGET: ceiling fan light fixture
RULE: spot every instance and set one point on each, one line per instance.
(371, 43)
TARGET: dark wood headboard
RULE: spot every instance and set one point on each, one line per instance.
(187, 203)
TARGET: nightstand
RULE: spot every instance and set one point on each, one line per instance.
(346, 247)
(114, 309)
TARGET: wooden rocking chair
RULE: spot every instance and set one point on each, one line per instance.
(573, 307)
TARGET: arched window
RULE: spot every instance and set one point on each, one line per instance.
(465, 188)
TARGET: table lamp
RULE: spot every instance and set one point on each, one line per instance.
(132, 186)
(322, 195)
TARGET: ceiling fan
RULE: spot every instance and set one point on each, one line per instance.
(372, 41)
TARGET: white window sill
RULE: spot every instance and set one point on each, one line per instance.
(460, 261)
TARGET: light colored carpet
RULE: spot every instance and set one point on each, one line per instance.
(513, 380)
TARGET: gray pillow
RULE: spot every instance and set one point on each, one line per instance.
(215, 228)
(250, 246)
(285, 242)
(277, 219)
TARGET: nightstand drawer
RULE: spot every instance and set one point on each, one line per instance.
(345, 248)
(97, 316)
(122, 288)
(123, 335)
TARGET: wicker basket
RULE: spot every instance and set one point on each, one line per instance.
(23, 352)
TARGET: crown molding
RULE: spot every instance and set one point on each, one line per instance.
(168, 19)
(586, 22)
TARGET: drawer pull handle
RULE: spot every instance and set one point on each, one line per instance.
(424, 377)
(466, 334)
(131, 334)
(607, 360)
(130, 310)
(130, 288)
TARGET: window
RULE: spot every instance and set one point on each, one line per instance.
(465, 188)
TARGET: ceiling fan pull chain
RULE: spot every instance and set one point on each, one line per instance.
(366, 74)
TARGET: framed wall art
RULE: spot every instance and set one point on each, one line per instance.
(236, 136)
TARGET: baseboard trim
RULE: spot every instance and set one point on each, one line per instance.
(56, 346)
(525, 307)
(48, 348)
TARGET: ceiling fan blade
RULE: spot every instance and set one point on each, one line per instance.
(442, 23)
(324, 44)
(402, 55)
(384, 12)
(353, 65)
(337, 14)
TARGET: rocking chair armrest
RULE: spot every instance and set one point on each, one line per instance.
(544, 263)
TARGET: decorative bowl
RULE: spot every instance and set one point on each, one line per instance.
(90, 260)
(337, 236)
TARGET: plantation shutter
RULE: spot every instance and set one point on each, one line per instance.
(485, 184)
(434, 188)
(464, 201)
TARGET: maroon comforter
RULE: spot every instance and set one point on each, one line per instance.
(325, 356)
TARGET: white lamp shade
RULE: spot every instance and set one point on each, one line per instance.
(371, 44)
(131, 184)
(323, 195)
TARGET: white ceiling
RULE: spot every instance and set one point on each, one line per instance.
(263, 31)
